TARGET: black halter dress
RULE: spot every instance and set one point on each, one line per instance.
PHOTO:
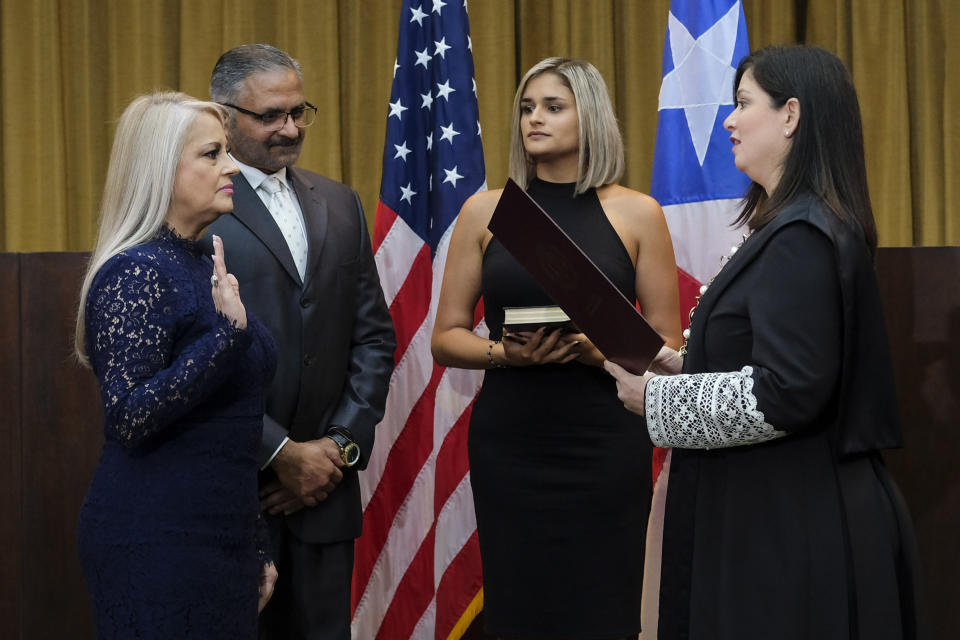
(560, 470)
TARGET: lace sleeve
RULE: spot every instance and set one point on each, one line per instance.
(132, 321)
(705, 411)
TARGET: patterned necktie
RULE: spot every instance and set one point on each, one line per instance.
(285, 214)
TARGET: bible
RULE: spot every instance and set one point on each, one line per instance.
(532, 318)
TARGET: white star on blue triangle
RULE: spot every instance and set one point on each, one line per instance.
(706, 39)
(701, 80)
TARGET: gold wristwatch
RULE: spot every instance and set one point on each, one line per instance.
(349, 451)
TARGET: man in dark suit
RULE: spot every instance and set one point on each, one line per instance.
(298, 244)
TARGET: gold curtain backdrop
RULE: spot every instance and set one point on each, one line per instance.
(69, 67)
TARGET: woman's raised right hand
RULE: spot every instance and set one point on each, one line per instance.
(225, 289)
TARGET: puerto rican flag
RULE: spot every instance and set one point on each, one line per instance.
(695, 180)
(417, 569)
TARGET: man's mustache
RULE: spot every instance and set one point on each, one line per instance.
(283, 141)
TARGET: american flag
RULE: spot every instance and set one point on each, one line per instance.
(417, 570)
(695, 180)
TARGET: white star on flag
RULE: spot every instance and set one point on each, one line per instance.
(395, 67)
(422, 58)
(429, 141)
(442, 47)
(427, 100)
(418, 15)
(702, 77)
(448, 133)
(408, 193)
(396, 109)
(444, 90)
(452, 176)
(402, 151)
(438, 5)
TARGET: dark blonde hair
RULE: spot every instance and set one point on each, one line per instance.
(601, 146)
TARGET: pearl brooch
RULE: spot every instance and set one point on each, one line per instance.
(703, 290)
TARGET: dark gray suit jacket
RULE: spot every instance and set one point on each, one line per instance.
(334, 334)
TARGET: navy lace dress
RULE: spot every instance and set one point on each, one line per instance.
(168, 535)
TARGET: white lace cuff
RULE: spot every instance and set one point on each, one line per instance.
(705, 411)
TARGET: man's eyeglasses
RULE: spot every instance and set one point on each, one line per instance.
(274, 120)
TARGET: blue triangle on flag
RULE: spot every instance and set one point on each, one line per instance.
(678, 176)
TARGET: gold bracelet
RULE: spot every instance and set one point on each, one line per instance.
(493, 363)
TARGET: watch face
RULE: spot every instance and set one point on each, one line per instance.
(350, 454)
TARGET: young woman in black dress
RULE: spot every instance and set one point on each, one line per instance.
(560, 470)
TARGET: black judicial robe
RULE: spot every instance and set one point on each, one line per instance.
(804, 536)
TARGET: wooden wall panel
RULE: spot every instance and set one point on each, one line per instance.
(61, 440)
(10, 504)
(921, 292)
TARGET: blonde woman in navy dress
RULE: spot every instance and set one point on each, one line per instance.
(168, 533)
(560, 470)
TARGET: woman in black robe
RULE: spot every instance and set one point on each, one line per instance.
(781, 520)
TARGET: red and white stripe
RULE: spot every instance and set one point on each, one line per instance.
(417, 566)
(702, 234)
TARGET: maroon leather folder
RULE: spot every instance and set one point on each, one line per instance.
(602, 312)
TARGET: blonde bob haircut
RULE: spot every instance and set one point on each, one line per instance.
(601, 146)
(146, 153)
